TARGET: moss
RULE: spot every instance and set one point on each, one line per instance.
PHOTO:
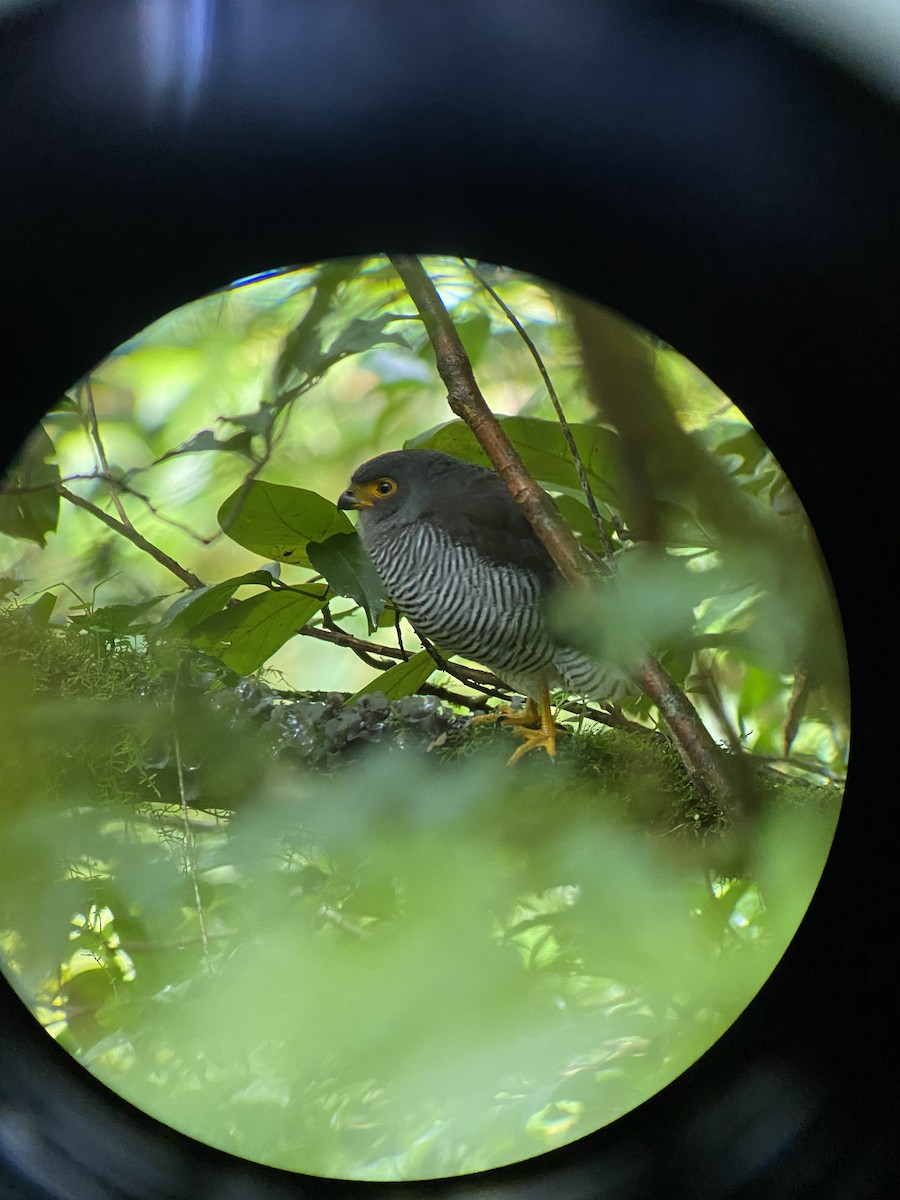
(117, 742)
(64, 661)
(78, 703)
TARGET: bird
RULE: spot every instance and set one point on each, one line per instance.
(458, 558)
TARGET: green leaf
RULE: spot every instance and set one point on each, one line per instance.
(31, 515)
(474, 332)
(116, 618)
(9, 585)
(304, 357)
(41, 610)
(362, 334)
(238, 443)
(747, 447)
(248, 633)
(257, 422)
(402, 680)
(681, 526)
(196, 606)
(388, 618)
(577, 516)
(38, 446)
(544, 450)
(350, 572)
(276, 521)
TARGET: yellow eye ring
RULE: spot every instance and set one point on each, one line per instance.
(382, 488)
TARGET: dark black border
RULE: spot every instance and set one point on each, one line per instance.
(694, 170)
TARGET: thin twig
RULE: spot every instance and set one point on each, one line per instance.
(21, 489)
(452, 669)
(340, 638)
(139, 947)
(363, 654)
(397, 629)
(101, 452)
(170, 521)
(129, 532)
(801, 763)
(189, 844)
(483, 681)
(713, 696)
(555, 401)
(120, 485)
(471, 676)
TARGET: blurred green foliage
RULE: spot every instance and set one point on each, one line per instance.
(341, 936)
(418, 963)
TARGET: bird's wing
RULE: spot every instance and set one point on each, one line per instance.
(484, 515)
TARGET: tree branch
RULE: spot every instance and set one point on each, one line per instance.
(129, 532)
(482, 681)
(703, 758)
(466, 400)
(714, 774)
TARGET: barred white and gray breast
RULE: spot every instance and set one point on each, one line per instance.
(486, 611)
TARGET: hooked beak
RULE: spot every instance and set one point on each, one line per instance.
(354, 497)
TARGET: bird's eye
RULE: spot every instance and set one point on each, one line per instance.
(385, 487)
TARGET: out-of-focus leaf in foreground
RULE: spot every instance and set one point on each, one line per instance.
(407, 967)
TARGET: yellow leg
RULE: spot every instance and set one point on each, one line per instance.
(545, 736)
(511, 716)
(520, 720)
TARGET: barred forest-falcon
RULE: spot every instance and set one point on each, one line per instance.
(460, 561)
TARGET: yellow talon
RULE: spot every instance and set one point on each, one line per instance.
(511, 716)
(544, 737)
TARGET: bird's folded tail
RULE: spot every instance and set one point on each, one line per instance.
(583, 676)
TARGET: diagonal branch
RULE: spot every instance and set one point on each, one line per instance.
(128, 531)
(703, 758)
(466, 400)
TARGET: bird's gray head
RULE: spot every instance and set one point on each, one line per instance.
(406, 486)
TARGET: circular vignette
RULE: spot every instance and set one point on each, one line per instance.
(269, 881)
(764, 343)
